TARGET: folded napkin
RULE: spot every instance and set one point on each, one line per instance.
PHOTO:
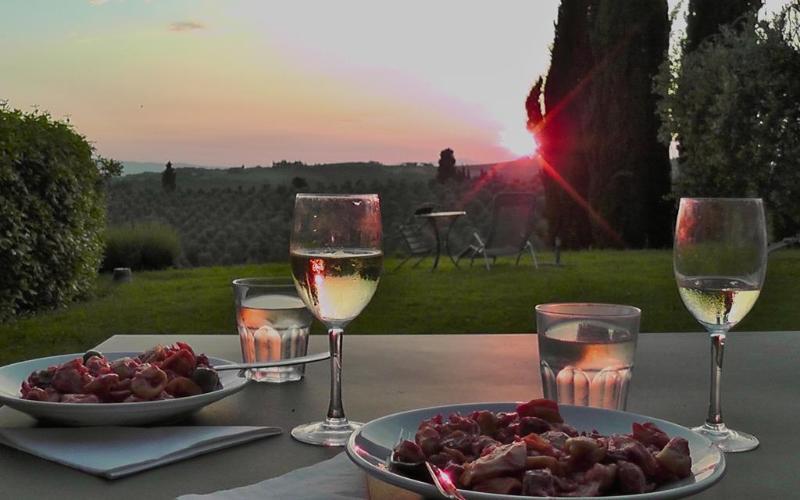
(113, 452)
(334, 479)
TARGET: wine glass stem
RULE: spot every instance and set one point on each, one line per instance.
(335, 409)
(715, 403)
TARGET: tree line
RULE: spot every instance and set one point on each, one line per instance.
(251, 223)
(613, 100)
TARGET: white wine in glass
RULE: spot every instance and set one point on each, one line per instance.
(338, 283)
(720, 261)
(336, 261)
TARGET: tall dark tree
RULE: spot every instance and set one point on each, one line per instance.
(704, 17)
(630, 168)
(561, 134)
(605, 173)
(168, 182)
(533, 107)
(447, 166)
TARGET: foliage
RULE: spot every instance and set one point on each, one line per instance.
(605, 174)
(447, 166)
(52, 206)
(533, 106)
(705, 17)
(168, 178)
(108, 167)
(141, 246)
(734, 103)
(628, 167)
(250, 223)
(560, 134)
(410, 301)
(299, 183)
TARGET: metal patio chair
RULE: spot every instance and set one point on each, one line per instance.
(784, 243)
(510, 232)
(416, 243)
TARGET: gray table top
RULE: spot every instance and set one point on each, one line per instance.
(384, 374)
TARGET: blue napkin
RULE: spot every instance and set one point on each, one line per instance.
(335, 479)
(113, 452)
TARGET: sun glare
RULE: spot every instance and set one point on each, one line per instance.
(518, 141)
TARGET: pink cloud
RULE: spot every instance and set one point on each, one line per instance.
(186, 26)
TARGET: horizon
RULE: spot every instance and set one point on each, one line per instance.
(244, 82)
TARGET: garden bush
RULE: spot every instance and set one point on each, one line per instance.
(52, 212)
(141, 246)
(734, 104)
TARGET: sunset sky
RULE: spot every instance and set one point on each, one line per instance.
(251, 82)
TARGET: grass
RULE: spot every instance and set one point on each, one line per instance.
(469, 300)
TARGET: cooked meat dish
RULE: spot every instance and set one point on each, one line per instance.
(533, 452)
(163, 372)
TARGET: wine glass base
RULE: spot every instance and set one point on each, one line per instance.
(332, 432)
(727, 440)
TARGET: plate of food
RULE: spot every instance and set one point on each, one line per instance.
(512, 451)
(120, 388)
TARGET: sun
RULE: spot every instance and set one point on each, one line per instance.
(518, 141)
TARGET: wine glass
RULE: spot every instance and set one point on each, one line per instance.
(336, 262)
(720, 259)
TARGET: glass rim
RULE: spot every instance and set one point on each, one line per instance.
(722, 199)
(596, 309)
(341, 196)
(266, 282)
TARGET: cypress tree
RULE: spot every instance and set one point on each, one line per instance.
(560, 134)
(447, 166)
(704, 17)
(168, 178)
(630, 168)
(533, 106)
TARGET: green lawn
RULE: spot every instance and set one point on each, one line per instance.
(408, 301)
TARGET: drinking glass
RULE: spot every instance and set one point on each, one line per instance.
(273, 324)
(336, 260)
(586, 352)
(720, 259)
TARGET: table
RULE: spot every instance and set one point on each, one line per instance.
(433, 218)
(385, 374)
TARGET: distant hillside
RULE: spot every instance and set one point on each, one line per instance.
(521, 169)
(192, 177)
(238, 215)
(147, 175)
(141, 167)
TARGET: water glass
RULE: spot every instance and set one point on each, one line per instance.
(273, 324)
(586, 352)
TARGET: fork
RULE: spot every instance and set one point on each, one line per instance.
(443, 482)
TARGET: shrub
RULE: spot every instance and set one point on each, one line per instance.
(52, 212)
(734, 104)
(141, 246)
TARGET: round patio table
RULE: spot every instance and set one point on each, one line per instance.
(434, 219)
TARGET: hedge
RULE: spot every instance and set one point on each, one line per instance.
(52, 212)
(141, 246)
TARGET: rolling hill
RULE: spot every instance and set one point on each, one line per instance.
(148, 175)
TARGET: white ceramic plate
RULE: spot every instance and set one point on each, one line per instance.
(88, 414)
(371, 446)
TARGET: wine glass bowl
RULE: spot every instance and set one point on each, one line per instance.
(336, 261)
(720, 262)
